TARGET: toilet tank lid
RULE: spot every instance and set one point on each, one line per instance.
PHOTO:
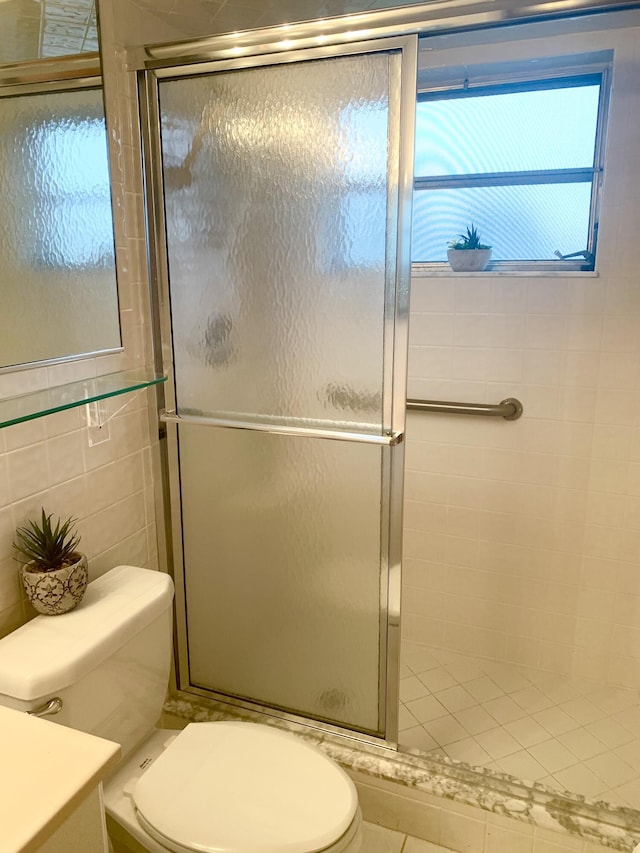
(51, 652)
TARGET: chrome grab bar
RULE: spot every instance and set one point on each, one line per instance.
(53, 706)
(509, 409)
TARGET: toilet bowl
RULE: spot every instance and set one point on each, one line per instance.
(221, 787)
(231, 787)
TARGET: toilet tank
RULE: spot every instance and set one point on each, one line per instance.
(108, 660)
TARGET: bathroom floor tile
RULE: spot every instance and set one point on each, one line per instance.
(417, 738)
(469, 751)
(582, 710)
(523, 765)
(630, 793)
(508, 678)
(475, 720)
(446, 730)
(630, 752)
(427, 708)
(553, 755)
(455, 698)
(379, 839)
(498, 742)
(583, 744)
(437, 679)
(617, 701)
(612, 769)
(567, 734)
(581, 780)
(504, 709)
(417, 845)
(611, 732)
(412, 688)
(555, 721)
(417, 658)
(483, 689)
(406, 720)
(527, 731)
(532, 699)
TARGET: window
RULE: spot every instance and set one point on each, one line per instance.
(519, 159)
(58, 285)
(65, 154)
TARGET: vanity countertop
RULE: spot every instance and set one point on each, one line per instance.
(47, 770)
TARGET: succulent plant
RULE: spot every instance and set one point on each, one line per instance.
(46, 547)
(470, 240)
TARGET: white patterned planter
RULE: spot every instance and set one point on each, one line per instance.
(58, 591)
(468, 260)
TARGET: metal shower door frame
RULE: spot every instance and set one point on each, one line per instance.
(401, 138)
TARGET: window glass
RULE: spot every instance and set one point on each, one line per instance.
(520, 222)
(58, 287)
(518, 131)
(75, 228)
(517, 160)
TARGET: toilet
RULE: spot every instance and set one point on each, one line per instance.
(220, 787)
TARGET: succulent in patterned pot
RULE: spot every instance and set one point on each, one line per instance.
(53, 571)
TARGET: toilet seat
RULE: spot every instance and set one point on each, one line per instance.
(233, 787)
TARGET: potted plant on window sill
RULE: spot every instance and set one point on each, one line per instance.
(55, 573)
(468, 253)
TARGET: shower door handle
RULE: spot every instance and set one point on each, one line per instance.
(389, 440)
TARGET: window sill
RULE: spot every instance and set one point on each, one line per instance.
(445, 271)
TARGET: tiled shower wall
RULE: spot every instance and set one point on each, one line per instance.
(56, 462)
(522, 539)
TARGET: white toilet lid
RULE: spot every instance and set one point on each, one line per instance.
(232, 787)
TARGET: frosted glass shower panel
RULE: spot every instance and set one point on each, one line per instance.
(281, 541)
(278, 200)
(58, 286)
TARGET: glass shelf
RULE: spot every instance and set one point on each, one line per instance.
(37, 404)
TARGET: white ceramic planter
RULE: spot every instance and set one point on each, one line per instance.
(56, 592)
(468, 260)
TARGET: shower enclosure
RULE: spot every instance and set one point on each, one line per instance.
(282, 197)
(521, 553)
(284, 334)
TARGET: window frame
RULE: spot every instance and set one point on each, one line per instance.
(502, 82)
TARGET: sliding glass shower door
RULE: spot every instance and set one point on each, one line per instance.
(285, 196)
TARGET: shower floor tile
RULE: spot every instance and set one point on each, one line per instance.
(537, 726)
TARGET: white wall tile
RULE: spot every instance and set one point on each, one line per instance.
(48, 461)
(463, 834)
(27, 470)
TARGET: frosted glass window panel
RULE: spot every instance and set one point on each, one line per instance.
(281, 543)
(277, 200)
(58, 287)
(516, 131)
(520, 222)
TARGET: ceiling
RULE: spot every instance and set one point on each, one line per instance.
(34, 29)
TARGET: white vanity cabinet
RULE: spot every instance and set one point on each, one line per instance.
(50, 786)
